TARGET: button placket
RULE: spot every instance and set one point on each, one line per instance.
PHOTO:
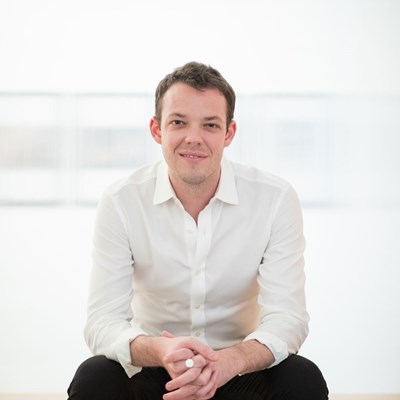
(190, 233)
(198, 292)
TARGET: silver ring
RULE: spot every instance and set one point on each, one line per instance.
(189, 363)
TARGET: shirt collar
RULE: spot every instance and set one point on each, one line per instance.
(226, 191)
(163, 190)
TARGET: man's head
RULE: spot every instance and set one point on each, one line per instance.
(200, 77)
(193, 124)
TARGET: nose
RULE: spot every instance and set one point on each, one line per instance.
(193, 136)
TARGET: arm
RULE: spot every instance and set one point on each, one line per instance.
(171, 353)
(242, 358)
(108, 329)
(284, 318)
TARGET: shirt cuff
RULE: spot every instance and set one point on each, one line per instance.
(123, 350)
(278, 347)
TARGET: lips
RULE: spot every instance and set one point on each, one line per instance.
(193, 156)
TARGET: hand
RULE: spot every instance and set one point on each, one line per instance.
(213, 375)
(197, 382)
(192, 386)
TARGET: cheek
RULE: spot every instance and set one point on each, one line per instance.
(168, 144)
(217, 145)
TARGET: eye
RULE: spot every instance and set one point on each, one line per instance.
(212, 125)
(177, 122)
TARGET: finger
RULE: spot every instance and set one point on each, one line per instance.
(181, 366)
(207, 390)
(183, 393)
(203, 349)
(204, 377)
(185, 379)
(167, 334)
(195, 345)
(189, 363)
(197, 361)
(178, 355)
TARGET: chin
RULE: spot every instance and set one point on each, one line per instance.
(193, 180)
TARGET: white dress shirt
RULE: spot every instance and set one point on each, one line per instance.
(236, 275)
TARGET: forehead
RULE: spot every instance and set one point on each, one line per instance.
(180, 97)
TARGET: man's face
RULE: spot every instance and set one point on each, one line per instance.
(193, 133)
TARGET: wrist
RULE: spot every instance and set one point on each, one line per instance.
(147, 351)
(248, 357)
(232, 360)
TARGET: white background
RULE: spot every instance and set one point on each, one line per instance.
(307, 46)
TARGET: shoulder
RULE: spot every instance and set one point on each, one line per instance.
(266, 193)
(256, 187)
(257, 178)
(139, 180)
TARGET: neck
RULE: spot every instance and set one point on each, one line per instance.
(194, 198)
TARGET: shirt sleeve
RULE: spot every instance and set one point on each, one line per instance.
(284, 318)
(109, 328)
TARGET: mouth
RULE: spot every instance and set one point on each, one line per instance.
(193, 156)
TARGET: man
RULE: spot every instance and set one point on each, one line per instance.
(197, 287)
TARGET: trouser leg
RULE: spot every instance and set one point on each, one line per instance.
(99, 378)
(296, 378)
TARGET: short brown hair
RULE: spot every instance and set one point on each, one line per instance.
(198, 76)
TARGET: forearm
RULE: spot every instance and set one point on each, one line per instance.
(147, 351)
(246, 357)
(165, 350)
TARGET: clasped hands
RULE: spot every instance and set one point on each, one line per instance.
(195, 380)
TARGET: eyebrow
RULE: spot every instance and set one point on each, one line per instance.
(210, 118)
(176, 114)
(214, 117)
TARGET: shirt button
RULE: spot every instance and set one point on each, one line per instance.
(189, 231)
(197, 333)
(197, 306)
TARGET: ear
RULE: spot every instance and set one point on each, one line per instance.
(230, 133)
(155, 130)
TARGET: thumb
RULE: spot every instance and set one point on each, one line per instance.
(203, 349)
(167, 334)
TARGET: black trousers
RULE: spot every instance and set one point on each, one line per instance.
(296, 378)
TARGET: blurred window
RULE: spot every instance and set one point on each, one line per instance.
(66, 149)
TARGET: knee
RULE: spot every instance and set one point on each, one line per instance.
(97, 378)
(309, 379)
